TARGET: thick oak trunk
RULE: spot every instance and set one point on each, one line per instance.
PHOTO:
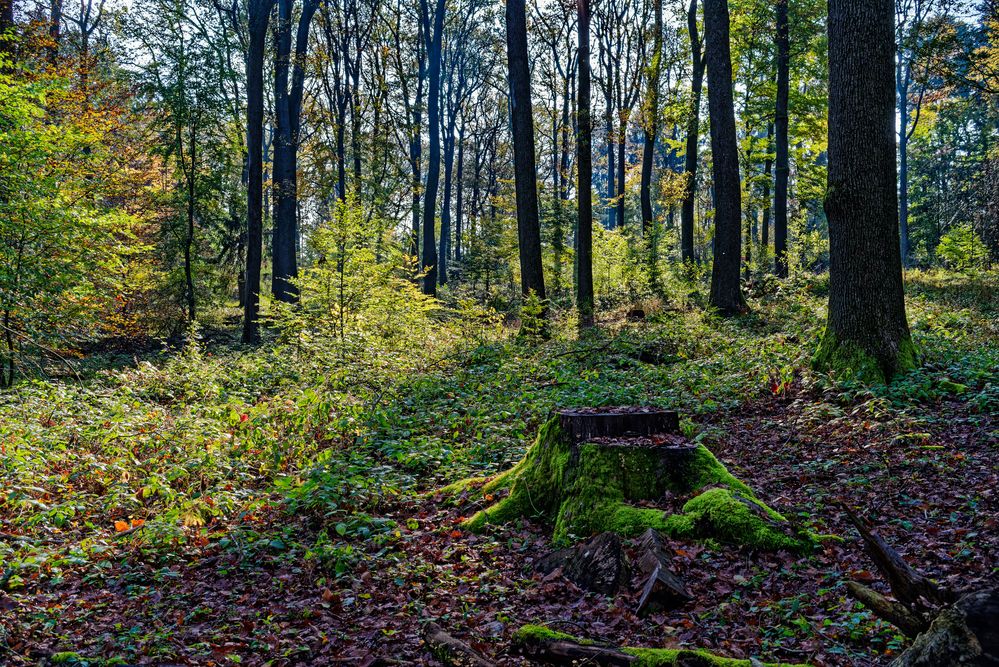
(867, 334)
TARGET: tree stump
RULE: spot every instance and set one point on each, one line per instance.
(590, 467)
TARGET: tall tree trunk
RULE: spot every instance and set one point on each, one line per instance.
(611, 165)
(903, 164)
(693, 130)
(189, 237)
(584, 171)
(287, 112)
(445, 240)
(650, 114)
(282, 241)
(768, 166)
(622, 137)
(341, 151)
(434, 35)
(258, 13)
(866, 334)
(459, 213)
(781, 122)
(726, 292)
(532, 277)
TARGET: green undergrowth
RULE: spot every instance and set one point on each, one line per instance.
(533, 635)
(590, 488)
(215, 446)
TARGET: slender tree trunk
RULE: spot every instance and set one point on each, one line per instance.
(693, 130)
(282, 241)
(866, 334)
(532, 277)
(189, 238)
(258, 13)
(415, 156)
(650, 114)
(621, 170)
(903, 169)
(726, 292)
(584, 171)
(445, 240)
(355, 128)
(341, 151)
(768, 166)
(459, 213)
(611, 166)
(781, 122)
(434, 36)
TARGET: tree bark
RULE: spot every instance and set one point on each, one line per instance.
(651, 117)
(867, 334)
(525, 166)
(258, 14)
(726, 291)
(434, 35)
(55, 31)
(693, 130)
(781, 123)
(459, 200)
(584, 171)
(287, 112)
(445, 239)
(768, 166)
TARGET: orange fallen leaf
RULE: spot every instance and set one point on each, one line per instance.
(138, 522)
(455, 534)
(121, 526)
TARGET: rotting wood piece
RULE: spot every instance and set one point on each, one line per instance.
(620, 422)
(594, 565)
(896, 613)
(663, 590)
(966, 633)
(908, 586)
(963, 633)
(563, 650)
(451, 650)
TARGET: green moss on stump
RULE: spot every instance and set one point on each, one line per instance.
(848, 359)
(590, 488)
(647, 657)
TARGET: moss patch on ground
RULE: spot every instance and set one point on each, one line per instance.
(590, 488)
(647, 657)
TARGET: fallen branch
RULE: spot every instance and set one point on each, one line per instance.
(451, 650)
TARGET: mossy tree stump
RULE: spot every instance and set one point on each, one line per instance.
(590, 467)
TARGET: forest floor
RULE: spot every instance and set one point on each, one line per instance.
(207, 509)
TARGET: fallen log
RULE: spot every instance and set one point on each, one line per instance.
(542, 645)
(965, 632)
(451, 650)
(908, 586)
